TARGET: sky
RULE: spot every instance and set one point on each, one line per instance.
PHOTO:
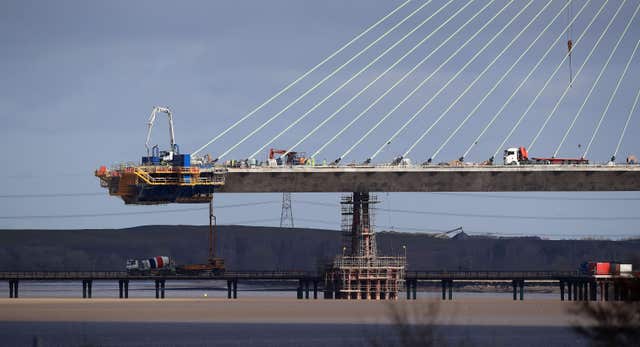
(79, 80)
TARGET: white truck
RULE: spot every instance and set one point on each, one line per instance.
(520, 156)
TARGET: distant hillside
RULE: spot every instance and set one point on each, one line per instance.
(264, 248)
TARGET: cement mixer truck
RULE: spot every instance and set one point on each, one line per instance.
(151, 266)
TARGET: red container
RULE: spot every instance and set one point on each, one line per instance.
(603, 268)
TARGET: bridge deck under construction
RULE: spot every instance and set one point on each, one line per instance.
(433, 178)
(136, 188)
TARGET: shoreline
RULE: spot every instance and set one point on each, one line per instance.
(461, 311)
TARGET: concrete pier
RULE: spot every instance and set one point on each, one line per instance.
(123, 288)
(306, 289)
(86, 289)
(13, 289)
(447, 285)
(160, 289)
(412, 288)
(235, 288)
(518, 284)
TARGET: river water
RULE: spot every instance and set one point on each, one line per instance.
(106, 333)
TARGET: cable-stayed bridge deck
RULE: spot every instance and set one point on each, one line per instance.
(433, 178)
(157, 185)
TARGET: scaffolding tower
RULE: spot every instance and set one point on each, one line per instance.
(359, 273)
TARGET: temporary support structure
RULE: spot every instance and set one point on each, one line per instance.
(359, 273)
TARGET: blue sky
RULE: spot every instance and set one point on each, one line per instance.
(80, 78)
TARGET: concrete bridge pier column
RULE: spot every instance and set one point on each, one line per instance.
(306, 289)
(569, 290)
(594, 291)
(450, 289)
(126, 289)
(299, 289)
(601, 285)
(444, 290)
(121, 288)
(585, 288)
(162, 289)
(415, 288)
(514, 284)
(157, 289)
(407, 284)
(13, 289)
(579, 285)
(229, 284)
(561, 290)
(315, 289)
(521, 290)
(606, 291)
(328, 289)
(587, 291)
(575, 291)
(84, 289)
(235, 288)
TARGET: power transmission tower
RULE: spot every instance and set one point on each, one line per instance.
(286, 216)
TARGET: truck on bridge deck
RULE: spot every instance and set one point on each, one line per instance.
(601, 269)
(520, 156)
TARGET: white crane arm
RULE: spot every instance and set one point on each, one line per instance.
(152, 118)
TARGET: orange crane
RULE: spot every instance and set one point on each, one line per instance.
(291, 158)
